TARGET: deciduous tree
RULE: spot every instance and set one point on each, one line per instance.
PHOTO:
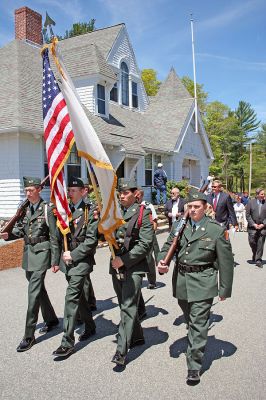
(151, 83)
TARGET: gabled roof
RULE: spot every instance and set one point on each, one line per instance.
(157, 129)
(20, 86)
(167, 114)
(103, 38)
(93, 61)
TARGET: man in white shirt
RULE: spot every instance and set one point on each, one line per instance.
(174, 207)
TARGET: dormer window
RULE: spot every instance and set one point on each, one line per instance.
(135, 95)
(101, 99)
(124, 84)
(113, 93)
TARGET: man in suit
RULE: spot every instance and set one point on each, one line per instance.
(174, 207)
(202, 254)
(135, 239)
(41, 251)
(77, 262)
(222, 205)
(256, 217)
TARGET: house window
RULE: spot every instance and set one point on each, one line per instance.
(151, 162)
(124, 84)
(101, 99)
(148, 169)
(120, 172)
(113, 93)
(156, 159)
(135, 95)
(73, 164)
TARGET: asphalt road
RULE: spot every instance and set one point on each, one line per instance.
(234, 366)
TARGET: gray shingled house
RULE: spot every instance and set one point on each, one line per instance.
(136, 131)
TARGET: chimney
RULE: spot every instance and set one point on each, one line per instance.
(28, 25)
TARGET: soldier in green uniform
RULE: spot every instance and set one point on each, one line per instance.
(203, 254)
(77, 263)
(128, 268)
(88, 287)
(41, 251)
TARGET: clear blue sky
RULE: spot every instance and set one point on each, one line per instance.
(230, 38)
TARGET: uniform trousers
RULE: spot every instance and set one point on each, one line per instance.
(151, 275)
(197, 317)
(89, 292)
(75, 301)
(37, 297)
(128, 293)
(256, 239)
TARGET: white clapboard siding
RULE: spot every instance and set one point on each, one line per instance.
(87, 97)
(122, 51)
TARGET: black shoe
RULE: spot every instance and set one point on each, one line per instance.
(151, 286)
(259, 264)
(193, 376)
(142, 316)
(86, 334)
(48, 326)
(119, 359)
(138, 342)
(93, 307)
(26, 344)
(79, 322)
(63, 351)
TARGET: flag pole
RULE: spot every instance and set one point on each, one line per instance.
(194, 76)
(95, 189)
(65, 242)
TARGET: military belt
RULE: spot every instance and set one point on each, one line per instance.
(32, 241)
(193, 268)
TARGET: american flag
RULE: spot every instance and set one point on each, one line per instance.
(59, 139)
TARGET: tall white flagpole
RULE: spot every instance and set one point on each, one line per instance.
(194, 76)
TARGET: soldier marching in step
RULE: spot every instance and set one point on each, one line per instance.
(41, 252)
(203, 258)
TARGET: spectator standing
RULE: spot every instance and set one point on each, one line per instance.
(159, 181)
(174, 207)
(245, 198)
(256, 217)
(222, 205)
(240, 213)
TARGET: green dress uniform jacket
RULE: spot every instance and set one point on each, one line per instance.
(82, 243)
(140, 246)
(206, 246)
(207, 251)
(41, 251)
(133, 251)
(41, 225)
